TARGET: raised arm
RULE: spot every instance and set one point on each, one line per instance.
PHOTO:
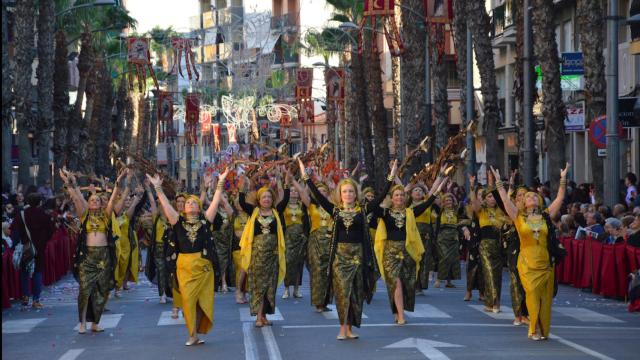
(304, 194)
(226, 206)
(473, 195)
(136, 200)
(323, 201)
(171, 213)
(282, 205)
(152, 200)
(556, 205)
(417, 210)
(210, 214)
(79, 202)
(509, 206)
(383, 194)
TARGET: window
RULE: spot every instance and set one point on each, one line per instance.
(567, 36)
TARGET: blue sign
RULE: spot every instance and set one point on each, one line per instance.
(572, 64)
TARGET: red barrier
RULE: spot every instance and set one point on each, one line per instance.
(594, 259)
(608, 273)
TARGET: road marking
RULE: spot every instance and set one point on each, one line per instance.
(499, 316)
(165, 319)
(333, 314)
(245, 315)
(426, 347)
(586, 315)
(20, 326)
(622, 328)
(71, 354)
(250, 348)
(106, 322)
(580, 348)
(427, 311)
(272, 345)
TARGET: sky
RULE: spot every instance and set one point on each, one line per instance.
(164, 13)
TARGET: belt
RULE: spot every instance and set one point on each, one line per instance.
(489, 232)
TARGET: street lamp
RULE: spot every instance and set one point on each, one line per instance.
(91, 4)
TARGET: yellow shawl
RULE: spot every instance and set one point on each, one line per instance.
(413, 243)
(246, 243)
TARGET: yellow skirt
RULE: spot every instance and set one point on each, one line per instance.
(237, 264)
(195, 278)
(127, 260)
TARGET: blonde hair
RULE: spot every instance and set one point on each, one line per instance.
(194, 198)
(346, 181)
(261, 191)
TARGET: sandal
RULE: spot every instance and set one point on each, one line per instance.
(450, 286)
(174, 314)
(194, 342)
(259, 324)
(97, 329)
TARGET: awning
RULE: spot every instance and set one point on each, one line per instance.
(267, 47)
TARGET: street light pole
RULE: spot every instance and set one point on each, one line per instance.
(470, 166)
(612, 161)
(529, 132)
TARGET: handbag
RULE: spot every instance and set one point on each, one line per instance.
(28, 250)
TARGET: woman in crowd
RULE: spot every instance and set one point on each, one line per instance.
(194, 253)
(239, 221)
(95, 259)
(296, 243)
(352, 264)
(262, 248)
(535, 263)
(156, 269)
(127, 245)
(423, 222)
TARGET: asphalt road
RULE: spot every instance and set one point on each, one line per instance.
(443, 326)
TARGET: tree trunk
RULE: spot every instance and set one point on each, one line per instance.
(101, 120)
(460, 41)
(119, 119)
(590, 15)
(480, 25)
(351, 123)
(413, 81)
(553, 109)
(7, 98)
(331, 126)
(60, 106)
(144, 126)
(377, 115)
(153, 129)
(86, 146)
(76, 122)
(46, 28)
(518, 77)
(364, 126)
(440, 95)
(129, 118)
(24, 22)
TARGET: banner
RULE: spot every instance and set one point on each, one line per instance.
(306, 113)
(385, 11)
(216, 136)
(304, 80)
(231, 129)
(180, 46)
(334, 79)
(575, 117)
(165, 115)
(192, 115)
(439, 11)
(139, 59)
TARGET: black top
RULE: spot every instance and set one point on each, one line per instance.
(634, 239)
(273, 226)
(393, 231)
(353, 233)
(184, 243)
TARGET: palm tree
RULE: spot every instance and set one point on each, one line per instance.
(480, 25)
(24, 23)
(413, 110)
(46, 25)
(7, 98)
(553, 109)
(590, 15)
(60, 105)
(440, 83)
(460, 41)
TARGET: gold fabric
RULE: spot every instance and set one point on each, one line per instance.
(95, 279)
(127, 256)
(413, 244)
(425, 217)
(263, 273)
(293, 215)
(246, 244)
(347, 283)
(492, 264)
(237, 264)
(318, 257)
(296, 243)
(196, 278)
(222, 239)
(427, 262)
(161, 227)
(319, 217)
(97, 222)
(448, 256)
(536, 272)
(177, 297)
(398, 264)
(491, 217)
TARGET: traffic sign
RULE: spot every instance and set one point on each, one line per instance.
(598, 131)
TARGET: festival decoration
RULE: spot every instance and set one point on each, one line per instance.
(192, 115)
(231, 130)
(334, 78)
(439, 13)
(180, 46)
(205, 127)
(304, 81)
(383, 9)
(165, 115)
(216, 137)
(139, 58)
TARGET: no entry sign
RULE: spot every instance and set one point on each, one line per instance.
(598, 131)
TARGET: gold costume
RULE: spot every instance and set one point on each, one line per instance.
(296, 243)
(196, 278)
(491, 221)
(448, 245)
(318, 252)
(428, 260)
(127, 253)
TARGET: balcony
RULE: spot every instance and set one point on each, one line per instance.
(504, 29)
(284, 21)
(232, 15)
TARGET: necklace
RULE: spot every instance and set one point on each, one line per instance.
(347, 218)
(449, 216)
(398, 216)
(191, 226)
(294, 211)
(265, 223)
(491, 215)
(94, 223)
(535, 223)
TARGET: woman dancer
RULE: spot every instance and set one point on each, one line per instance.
(262, 247)
(352, 264)
(239, 222)
(321, 224)
(95, 254)
(156, 269)
(535, 264)
(194, 252)
(399, 249)
(127, 244)
(296, 243)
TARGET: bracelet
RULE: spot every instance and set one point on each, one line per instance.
(305, 176)
(499, 185)
(390, 177)
(563, 182)
(157, 187)
(220, 185)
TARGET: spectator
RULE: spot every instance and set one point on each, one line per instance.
(627, 220)
(8, 213)
(580, 220)
(40, 227)
(46, 191)
(634, 237)
(619, 210)
(614, 232)
(605, 211)
(574, 209)
(632, 192)
(18, 201)
(594, 221)
(567, 226)
(7, 243)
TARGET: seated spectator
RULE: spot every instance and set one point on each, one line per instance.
(567, 226)
(614, 233)
(605, 211)
(594, 221)
(619, 210)
(634, 236)
(580, 220)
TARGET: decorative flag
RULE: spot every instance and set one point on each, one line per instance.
(139, 58)
(216, 136)
(306, 113)
(439, 11)
(205, 128)
(180, 46)
(165, 115)
(334, 78)
(192, 115)
(231, 129)
(385, 10)
(304, 80)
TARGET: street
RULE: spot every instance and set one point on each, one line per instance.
(584, 326)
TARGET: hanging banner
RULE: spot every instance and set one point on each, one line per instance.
(305, 115)
(139, 59)
(216, 137)
(439, 11)
(334, 78)
(231, 129)
(165, 115)
(180, 46)
(383, 9)
(304, 80)
(161, 154)
(575, 117)
(192, 115)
